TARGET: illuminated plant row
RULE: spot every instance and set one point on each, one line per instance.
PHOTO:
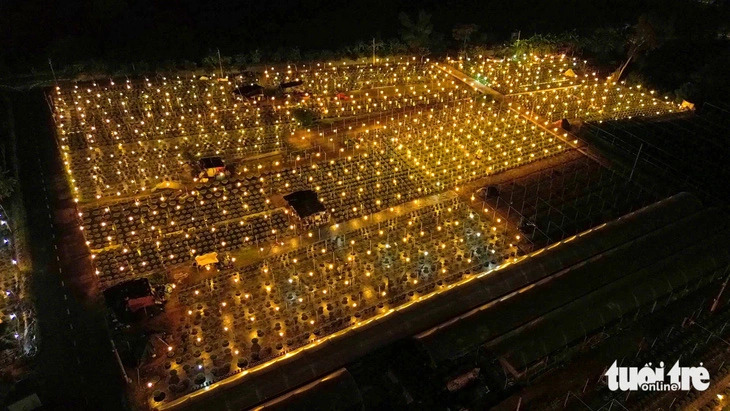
(239, 318)
(464, 141)
(331, 78)
(526, 73)
(595, 102)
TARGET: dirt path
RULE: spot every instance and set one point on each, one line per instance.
(76, 367)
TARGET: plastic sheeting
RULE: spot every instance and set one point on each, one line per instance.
(583, 297)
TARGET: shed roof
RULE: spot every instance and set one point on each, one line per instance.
(305, 203)
(211, 162)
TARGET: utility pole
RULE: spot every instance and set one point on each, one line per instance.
(220, 65)
(719, 295)
(636, 161)
(50, 63)
(119, 362)
(373, 50)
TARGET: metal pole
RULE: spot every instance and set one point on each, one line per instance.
(220, 65)
(373, 50)
(636, 161)
(119, 361)
(50, 63)
(719, 295)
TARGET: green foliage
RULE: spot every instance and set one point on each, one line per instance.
(395, 47)
(213, 61)
(567, 43)
(418, 33)
(210, 61)
(644, 36)
(188, 154)
(255, 57)
(8, 184)
(605, 46)
(635, 79)
(378, 46)
(688, 91)
(157, 278)
(304, 117)
(463, 33)
(642, 39)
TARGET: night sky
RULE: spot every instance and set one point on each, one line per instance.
(136, 30)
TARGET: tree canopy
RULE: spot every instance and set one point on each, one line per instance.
(7, 185)
(417, 33)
